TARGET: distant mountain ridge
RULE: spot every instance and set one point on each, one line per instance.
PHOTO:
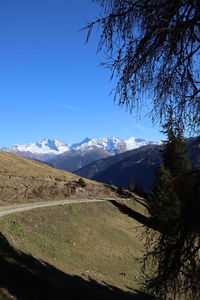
(47, 149)
(141, 164)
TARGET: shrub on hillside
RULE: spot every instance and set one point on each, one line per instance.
(82, 182)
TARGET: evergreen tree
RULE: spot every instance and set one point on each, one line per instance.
(164, 204)
(174, 207)
(82, 182)
(131, 185)
(175, 155)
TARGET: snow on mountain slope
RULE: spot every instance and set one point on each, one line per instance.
(47, 148)
(111, 144)
(133, 143)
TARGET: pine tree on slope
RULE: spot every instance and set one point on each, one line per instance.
(173, 204)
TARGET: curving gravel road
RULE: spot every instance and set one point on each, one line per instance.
(10, 209)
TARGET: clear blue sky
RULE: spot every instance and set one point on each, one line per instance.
(51, 84)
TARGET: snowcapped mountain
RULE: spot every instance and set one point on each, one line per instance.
(133, 143)
(47, 149)
(111, 144)
(46, 146)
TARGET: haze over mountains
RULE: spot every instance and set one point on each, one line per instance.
(71, 157)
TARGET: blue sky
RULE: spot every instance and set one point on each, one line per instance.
(51, 82)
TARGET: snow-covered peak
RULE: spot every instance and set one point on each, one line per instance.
(110, 144)
(46, 146)
(133, 143)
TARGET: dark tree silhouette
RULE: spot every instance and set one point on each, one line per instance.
(176, 156)
(131, 185)
(174, 208)
(164, 206)
(82, 182)
(153, 49)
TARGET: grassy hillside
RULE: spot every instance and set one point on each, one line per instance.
(92, 242)
(25, 180)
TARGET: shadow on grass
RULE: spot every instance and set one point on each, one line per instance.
(148, 222)
(131, 213)
(27, 278)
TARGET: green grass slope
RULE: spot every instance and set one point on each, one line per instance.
(92, 243)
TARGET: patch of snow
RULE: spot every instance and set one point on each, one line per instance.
(46, 146)
(133, 143)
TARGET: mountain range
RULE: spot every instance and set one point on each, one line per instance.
(71, 157)
(140, 164)
(105, 159)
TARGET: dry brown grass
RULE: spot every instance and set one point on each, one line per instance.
(24, 180)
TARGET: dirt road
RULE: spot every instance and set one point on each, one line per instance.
(10, 209)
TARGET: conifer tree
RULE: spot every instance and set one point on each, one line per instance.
(175, 155)
(164, 204)
(131, 185)
(174, 207)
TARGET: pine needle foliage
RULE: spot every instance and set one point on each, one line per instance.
(152, 47)
(164, 204)
(173, 251)
(175, 155)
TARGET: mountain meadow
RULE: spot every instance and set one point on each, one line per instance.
(77, 251)
(82, 250)
(25, 180)
(100, 179)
